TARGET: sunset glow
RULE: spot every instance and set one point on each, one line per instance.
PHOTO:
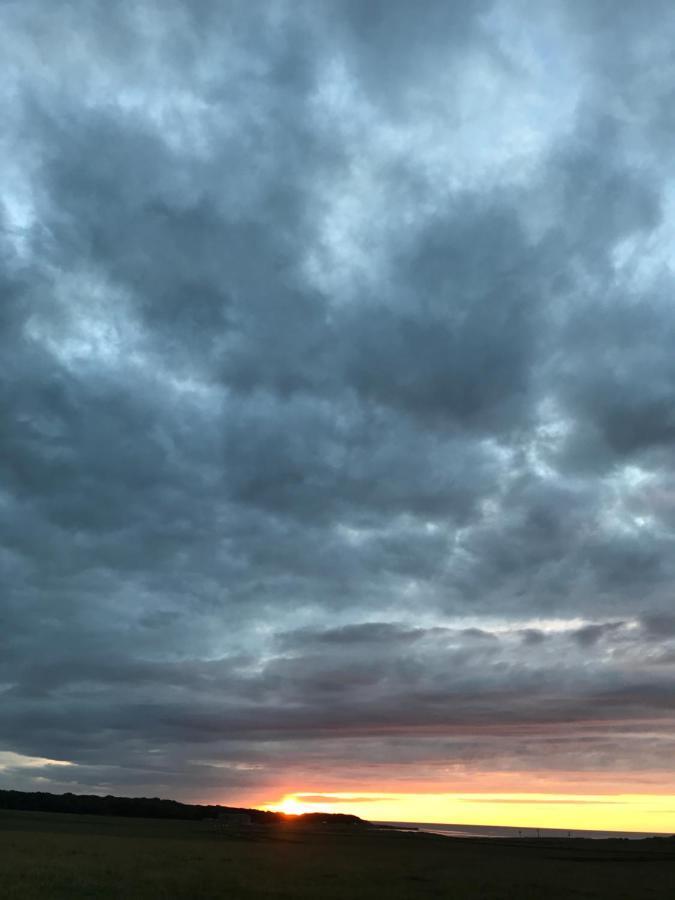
(602, 812)
(292, 806)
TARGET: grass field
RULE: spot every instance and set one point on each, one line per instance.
(49, 855)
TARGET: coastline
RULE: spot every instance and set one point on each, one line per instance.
(504, 831)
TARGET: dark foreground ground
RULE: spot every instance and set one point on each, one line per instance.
(46, 855)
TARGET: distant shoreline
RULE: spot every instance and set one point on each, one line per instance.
(508, 831)
(157, 808)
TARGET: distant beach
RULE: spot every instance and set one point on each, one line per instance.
(503, 831)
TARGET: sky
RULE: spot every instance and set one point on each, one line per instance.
(337, 401)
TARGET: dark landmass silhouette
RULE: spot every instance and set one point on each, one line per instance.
(72, 857)
(156, 808)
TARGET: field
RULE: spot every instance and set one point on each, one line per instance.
(50, 855)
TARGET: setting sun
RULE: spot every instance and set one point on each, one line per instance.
(291, 806)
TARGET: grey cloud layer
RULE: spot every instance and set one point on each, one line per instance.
(336, 391)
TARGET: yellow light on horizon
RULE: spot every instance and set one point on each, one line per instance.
(605, 812)
(291, 806)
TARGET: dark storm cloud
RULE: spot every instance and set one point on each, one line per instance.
(336, 392)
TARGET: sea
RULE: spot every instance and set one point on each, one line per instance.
(503, 831)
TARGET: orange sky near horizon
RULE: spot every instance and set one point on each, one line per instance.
(624, 811)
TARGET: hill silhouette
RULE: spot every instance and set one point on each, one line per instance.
(154, 808)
